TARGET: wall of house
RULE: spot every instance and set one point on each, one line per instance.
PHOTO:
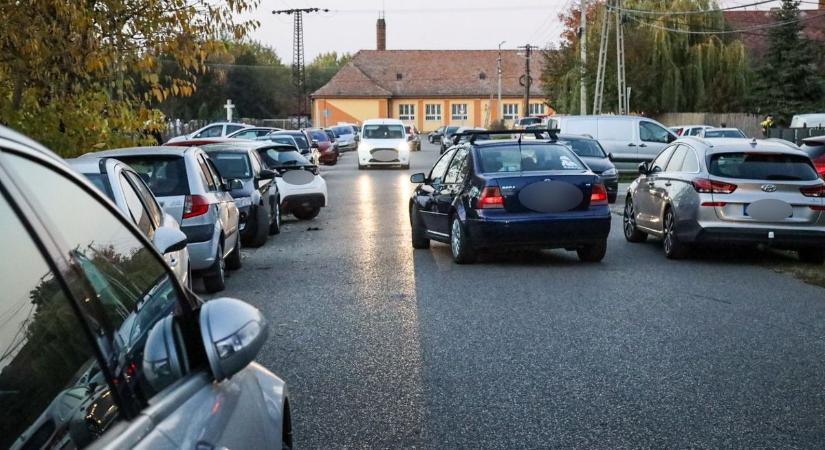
(345, 110)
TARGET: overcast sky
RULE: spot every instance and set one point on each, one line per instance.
(416, 24)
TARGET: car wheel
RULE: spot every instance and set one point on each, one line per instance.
(233, 261)
(674, 249)
(361, 166)
(460, 245)
(216, 280)
(419, 235)
(812, 255)
(306, 213)
(631, 232)
(405, 166)
(258, 238)
(275, 226)
(592, 252)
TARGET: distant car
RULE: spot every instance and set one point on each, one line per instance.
(127, 190)
(599, 161)
(712, 133)
(462, 139)
(189, 187)
(253, 132)
(281, 139)
(435, 135)
(345, 137)
(304, 143)
(508, 194)
(303, 190)
(816, 120)
(256, 196)
(213, 130)
(413, 137)
(734, 191)
(689, 130)
(327, 150)
(446, 137)
(527, 122)
(815, 148)
(383, 143)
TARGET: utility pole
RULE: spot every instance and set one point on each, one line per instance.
(583, 58)
(525, 79)
(620, 75)
(298, 69)
(598, 95)
(499, 110)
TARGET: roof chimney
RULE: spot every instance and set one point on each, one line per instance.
(381, 32)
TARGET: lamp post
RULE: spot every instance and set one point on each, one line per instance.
(498, 68)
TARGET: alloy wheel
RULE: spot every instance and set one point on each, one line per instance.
(629, 218)
(667, 242)
(455, 238)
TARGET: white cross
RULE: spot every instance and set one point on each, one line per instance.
(229, 107)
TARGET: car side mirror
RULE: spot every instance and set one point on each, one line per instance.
(671, 138)
(610, 156)
(418, 178)
(267, 174)
(235, 184)
(643, 168)
(168, 239)
(233, 332)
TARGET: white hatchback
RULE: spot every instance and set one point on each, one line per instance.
(383, 143)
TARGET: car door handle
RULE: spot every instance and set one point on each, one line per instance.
(642, 145)
(667, 183)
(650, 184)
(631, 145)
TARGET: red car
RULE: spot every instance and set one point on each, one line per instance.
(327, 149)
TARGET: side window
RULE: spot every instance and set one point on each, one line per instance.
(47, 369)
(216, 174)
(691, 162)
(255, 162)
(660, 162)
(675, 164)
(440, 168)
(233, 128)
(213, 131)
(147, 197)
(207, 176)
(246, 135)
(457, 166)
(650, 132)
(140, 216)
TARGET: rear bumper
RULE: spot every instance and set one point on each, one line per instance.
(539, 233)
(782, 237)
(293, 202)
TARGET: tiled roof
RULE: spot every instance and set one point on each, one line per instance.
(757, 41)
(436, 73)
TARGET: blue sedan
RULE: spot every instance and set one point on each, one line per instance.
(510, 194)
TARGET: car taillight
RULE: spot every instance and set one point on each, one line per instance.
(490, 198)
(705, 186)
(819, 164)
(813, 191)
(598, 194)
(195, 205)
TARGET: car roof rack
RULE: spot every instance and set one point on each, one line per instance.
(539, 133)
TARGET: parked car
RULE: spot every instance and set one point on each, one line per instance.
(327, 150)
(435, 135)
(527, 122)
(111, 351)
(127, 190)
(599, 161)
(345, 137)
(256, 196)
(189, 187)
(281, 139)
(816, 120)
(253, 132)
(462, 130)
(447, 137)
(506, 194)
(732, 191)
(815, 148)
(689, 130)
(303, 190)
(722, 133)
(383, 143)
(304, 143)
(413, 137)
(630, 139)
(213, 130)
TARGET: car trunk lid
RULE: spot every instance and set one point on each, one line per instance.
(545, 192)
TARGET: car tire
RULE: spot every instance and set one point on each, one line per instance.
(461, 246)
(361, 166)
(405, 166)
(592, 253)
(611, 198)
(631, 231)
(419, 234)
(275, 226)
(233, 261)
(812, 255)
(216, 280)
(306, 213)
(673, 247)
(258, 238)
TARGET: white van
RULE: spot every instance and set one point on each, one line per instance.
(808, 121)
(383, 143)
(629, 139)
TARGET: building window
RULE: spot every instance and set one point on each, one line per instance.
(432, 112)
(536, 109)
(459, 111)
(406, 112)
(510, 111)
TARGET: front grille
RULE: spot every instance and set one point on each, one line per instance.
(384, 155)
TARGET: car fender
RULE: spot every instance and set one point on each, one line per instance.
(459, 209)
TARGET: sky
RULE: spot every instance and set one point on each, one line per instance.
(349, 26)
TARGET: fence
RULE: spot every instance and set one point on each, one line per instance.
(176, 128)
(795, 135)
(749, 123)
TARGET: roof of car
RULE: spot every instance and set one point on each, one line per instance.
(814, 140)
(289, 132)
(137, 151)
(723, 129)
(243, 146)
(383, 122)
(90, 163)
(14, 136)
(574, 137)
(723, 145)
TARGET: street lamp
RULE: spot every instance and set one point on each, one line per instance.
(498, 66)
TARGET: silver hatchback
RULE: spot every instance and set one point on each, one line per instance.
(729, 191)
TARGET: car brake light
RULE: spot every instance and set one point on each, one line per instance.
(705, 186)
(490, 198)
(598, 194)
(819, 164)
(195, 205)
(813, 191)
(714, 204)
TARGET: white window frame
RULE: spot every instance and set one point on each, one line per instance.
(509, 111)
(536, 109)
(406, 111)
(432, 111)
(458, 111)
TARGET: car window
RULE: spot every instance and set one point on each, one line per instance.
(232, 164)
(650, 132)
(256, 163)
(278, 158)
(527, 158)
(384, 132)
(695, 132)
(585, 147)
(146, 195)
(675, 163)
(440, 168)
(283, 140)
(660, 162)
(213, 131)
(217, 178)
(246, 134)
(165, 175)
(319, 136)
(139, 214)
(342, 130)
(457, 165)
(233, 128)
(209, 182)
(302, 141)
(691, 162)
(723, 134)
(762, 166)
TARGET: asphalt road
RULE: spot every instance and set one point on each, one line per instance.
(386, 347)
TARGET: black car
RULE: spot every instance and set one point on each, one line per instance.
(599, 161)
(435, 135)
(510, 193)
(446, 137)
(256, 195)
(815, 148)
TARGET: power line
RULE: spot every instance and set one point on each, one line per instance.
(740, 30)
(685, 13)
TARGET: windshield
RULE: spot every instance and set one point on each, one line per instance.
(280, 158)
(762, 166)
(232, 164)
(383, 132)
(585, 148)
(300, 139)
(282, 140)
(530, 121)
(450, 130)
(165, 175)
(723, 134)
(342, 130)
(527, 158)
(320, 136)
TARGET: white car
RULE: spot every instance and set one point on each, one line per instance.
(127, 190)
(689, 130)
(383, 143)
(711, 133)
(213, 130)
(303, 190)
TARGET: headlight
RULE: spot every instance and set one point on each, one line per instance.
(610, 172)
(364, 147)
(404, 147)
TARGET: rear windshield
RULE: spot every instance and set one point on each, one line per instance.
(282, 140)
(279, 158)
(530, 121)
(232, 164)
(300, 139)
(762, 166)
(383, 132)
(165, 175)
(585, 147)
(319, 136)
(102, 183)
(450, 130)
(723, 134)
(527, 158)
